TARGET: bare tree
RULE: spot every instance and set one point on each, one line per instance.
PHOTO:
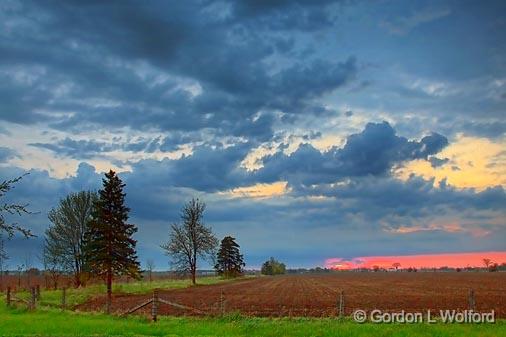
(190, 239)
(65, 236)
(28, 267)
(150, 265)
(53, 262)
(3, 257)
(20, 270)
(487, 262)
(13, 209)
(396, 265)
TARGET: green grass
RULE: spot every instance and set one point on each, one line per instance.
(53, 322)
(48, 321)
(77, 296)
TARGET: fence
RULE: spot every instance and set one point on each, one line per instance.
(34, 298)
(156, 300)
(31, 302)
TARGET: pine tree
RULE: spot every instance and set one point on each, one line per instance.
(229, 259)
(109, 248)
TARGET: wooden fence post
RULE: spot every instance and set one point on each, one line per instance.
(341, 304)
(8, 299)
(154, 307)
(472, 300)
(63, 298)
(33, 298)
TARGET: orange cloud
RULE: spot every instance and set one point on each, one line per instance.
(449, 228)
(259, 190)
(474, 162)
(417, 261)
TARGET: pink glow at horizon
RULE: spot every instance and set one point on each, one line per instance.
(418, 261)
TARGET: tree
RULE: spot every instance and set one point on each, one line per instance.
(396, 265)
(493, 267)
(28, 266)
(487, 262)
(6, 208)
(20, 270)
(54, 262)
(273, 267)
(65, 237)
(109, 248)
(229, 259)
(150, 265)
(190, 239)
(3, 258)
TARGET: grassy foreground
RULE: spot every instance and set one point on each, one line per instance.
(48, 320)
(77, 296)
(53, 322)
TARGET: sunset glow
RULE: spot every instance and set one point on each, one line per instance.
(453, 260)
(259, 190)
(472, 163)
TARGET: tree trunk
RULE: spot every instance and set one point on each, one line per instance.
(109, 291)
(77, 280)
(193, 271)
(77, 274)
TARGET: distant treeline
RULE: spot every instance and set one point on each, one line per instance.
(319, 270)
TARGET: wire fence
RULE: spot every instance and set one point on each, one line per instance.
(264, 304)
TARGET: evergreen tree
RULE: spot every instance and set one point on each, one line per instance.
(229, 259)
(109, 248)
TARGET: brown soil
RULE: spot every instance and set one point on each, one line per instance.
(317, 295)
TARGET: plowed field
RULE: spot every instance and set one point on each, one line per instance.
(317, 295)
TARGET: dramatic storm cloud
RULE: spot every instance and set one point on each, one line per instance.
(312, 129)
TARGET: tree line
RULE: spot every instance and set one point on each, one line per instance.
(90, 235)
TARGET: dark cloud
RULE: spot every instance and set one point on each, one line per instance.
(416, 197)
(208, 168)
(492, 130)
(214, 167)
(86, 149)
(374, 152)
(437, 162)
(80, 149)
(157, 55)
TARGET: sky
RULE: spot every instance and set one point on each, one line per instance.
(313, 130)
